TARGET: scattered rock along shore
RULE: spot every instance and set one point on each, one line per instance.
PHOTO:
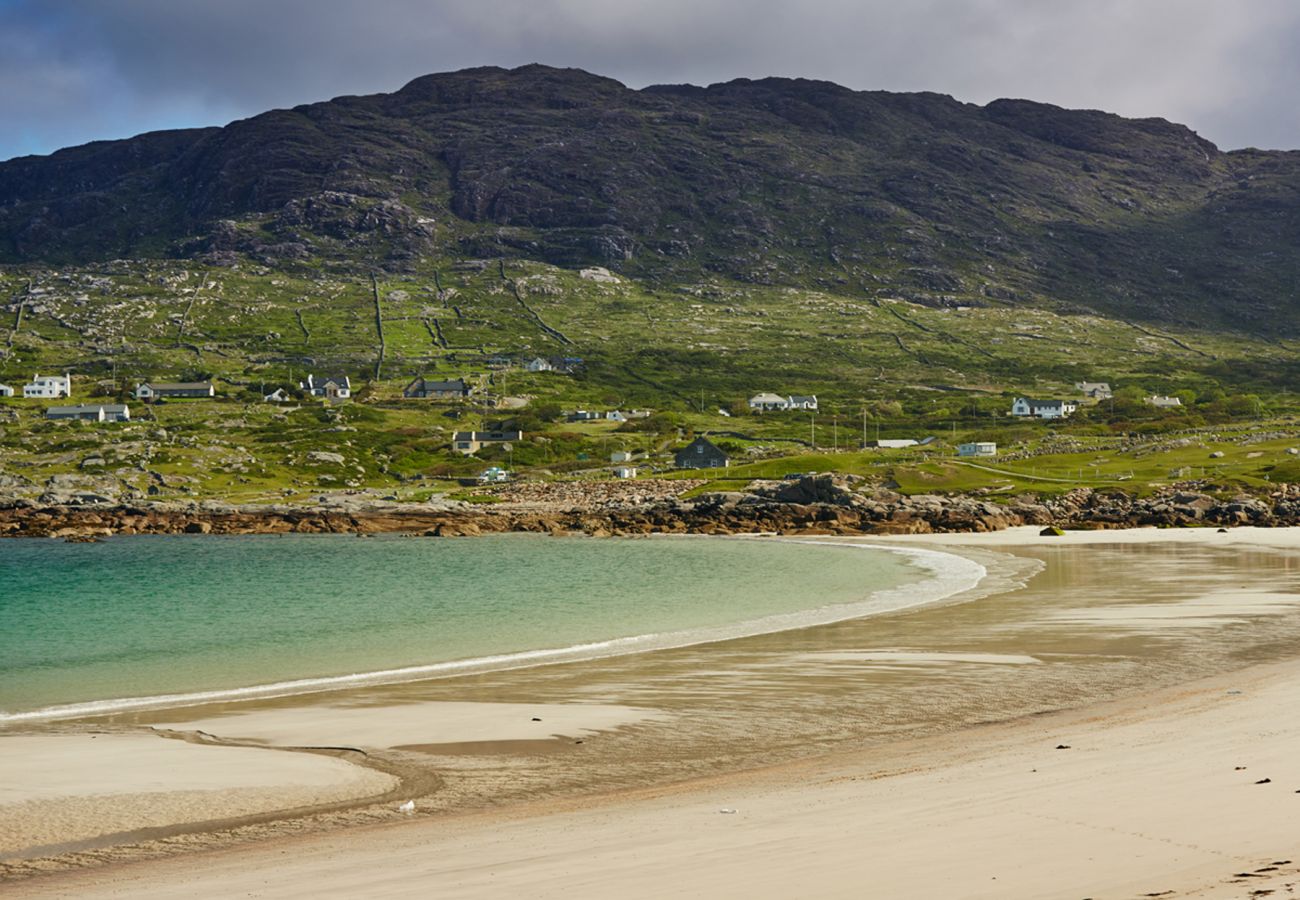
(814, 505)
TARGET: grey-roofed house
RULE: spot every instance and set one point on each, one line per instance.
(423, 388)
(1094, 390)
(153, 390)
(334, 387)
(701, 453)
(91, 412)
(768, 401)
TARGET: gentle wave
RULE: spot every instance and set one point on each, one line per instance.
(949, 575)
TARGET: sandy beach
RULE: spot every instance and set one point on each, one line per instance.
(1189, 786)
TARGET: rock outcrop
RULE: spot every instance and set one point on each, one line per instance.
(819, 504)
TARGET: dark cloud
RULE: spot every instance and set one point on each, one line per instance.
(76, 70)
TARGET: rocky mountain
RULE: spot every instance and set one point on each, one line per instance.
(776, 181)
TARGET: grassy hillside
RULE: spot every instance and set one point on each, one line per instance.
(692, 353)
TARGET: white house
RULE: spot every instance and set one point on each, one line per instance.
(797, 402)
(616, 415)
(978, 448)
(279, 395)
(1163, 402)
(49, 387)
(1043, 409)
(6, 390)
(620, 456)
(895, 443)
(1094, 390)
(338, 387)
(766, 402)
(539, 365)
(625, 472)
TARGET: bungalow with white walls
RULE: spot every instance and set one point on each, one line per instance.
(768, 402)
(153, 390)
(91, 412)
(335, 387)
(1043, 409)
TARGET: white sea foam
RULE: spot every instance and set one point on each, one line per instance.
(947, 576)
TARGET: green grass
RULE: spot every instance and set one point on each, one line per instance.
(685, 351)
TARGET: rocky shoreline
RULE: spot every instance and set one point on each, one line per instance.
(815, 505)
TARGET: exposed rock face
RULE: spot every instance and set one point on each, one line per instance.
(781, 181)
(813, 505)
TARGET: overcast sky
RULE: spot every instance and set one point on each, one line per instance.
(72, 71)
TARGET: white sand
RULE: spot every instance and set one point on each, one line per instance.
(1028, 536)
(1148, 798)
(324, 724)
(62, 788)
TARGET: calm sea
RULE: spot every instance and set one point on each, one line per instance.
(156, 620)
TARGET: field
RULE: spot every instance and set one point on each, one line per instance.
(692, 354)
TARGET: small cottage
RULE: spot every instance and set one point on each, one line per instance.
(336, 387)
(1043, 409)
(978, 448)
(6, 390)
(422, 388)
(90, 412)
(1161, 402)
(155, 390)
(768, 402)
(470, 442)
(701, 453)
(1094, 390)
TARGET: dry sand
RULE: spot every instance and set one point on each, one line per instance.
(60, 789)
(1193, 791)
(1151, 795)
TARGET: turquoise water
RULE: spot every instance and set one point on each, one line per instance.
(152, 617)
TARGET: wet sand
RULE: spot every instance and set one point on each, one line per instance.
(869, 746)
(1158, 796)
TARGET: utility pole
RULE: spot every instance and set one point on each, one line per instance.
(812, 432)
(864, 427)
(835, 433)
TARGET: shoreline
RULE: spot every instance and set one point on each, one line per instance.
(865, 764)
(951, 575)
(1147, 791)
